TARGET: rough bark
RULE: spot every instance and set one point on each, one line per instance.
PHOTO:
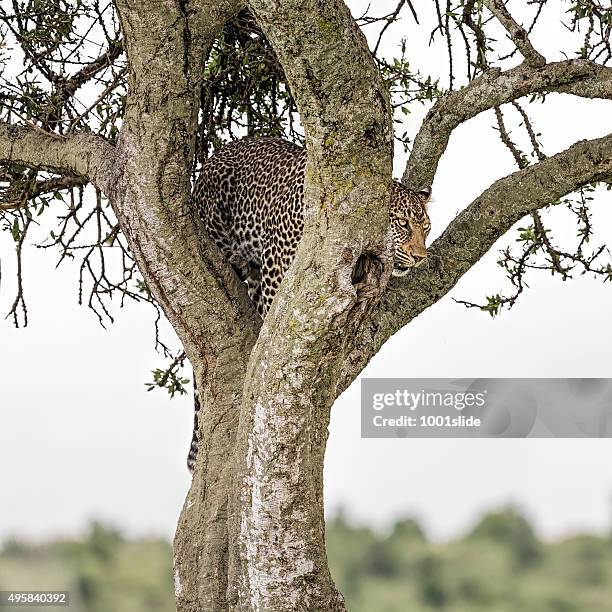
(280, 563)
(83, 154)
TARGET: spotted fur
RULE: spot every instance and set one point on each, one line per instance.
(250, 196)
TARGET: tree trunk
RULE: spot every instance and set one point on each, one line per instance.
(201, 544)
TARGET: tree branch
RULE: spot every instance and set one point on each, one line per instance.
(71, 84)
(86, 155)
(471, 235)
(14, 198)
(517, 33)
(578, 77)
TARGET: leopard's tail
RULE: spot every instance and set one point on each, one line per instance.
(193, 449)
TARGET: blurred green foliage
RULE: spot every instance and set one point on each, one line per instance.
(499, 566)
(102, 571)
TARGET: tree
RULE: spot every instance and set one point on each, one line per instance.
(508, 527)
(165, 81)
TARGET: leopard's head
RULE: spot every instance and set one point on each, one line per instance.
(410, 225)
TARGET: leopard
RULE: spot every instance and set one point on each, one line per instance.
(249, 196)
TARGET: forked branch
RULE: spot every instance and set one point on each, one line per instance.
(578, 77)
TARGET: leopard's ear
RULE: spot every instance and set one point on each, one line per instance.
(425, 193)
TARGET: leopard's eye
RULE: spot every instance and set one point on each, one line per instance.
(402, 222)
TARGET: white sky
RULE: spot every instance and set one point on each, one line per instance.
(80, 438)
